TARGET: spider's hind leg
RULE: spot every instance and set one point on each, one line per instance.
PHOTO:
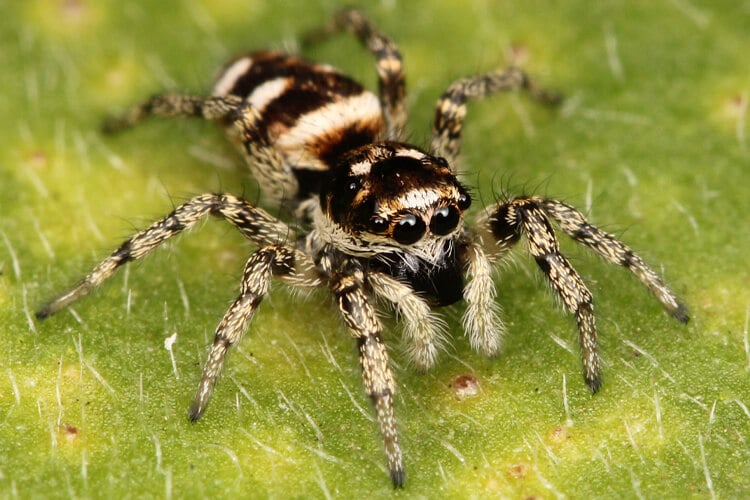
(450, 111)
(215, 108)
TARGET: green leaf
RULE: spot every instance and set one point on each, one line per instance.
(651, 142)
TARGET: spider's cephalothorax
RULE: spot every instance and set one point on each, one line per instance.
(374, 217)
(402, 209)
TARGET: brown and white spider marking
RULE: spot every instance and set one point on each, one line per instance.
(376, 217)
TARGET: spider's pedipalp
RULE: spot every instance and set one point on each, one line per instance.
(482, 319)
(423, 328)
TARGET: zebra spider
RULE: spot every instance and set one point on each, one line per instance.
(376, 218)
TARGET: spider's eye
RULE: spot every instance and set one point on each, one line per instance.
(444, 220)
(409, 229)
(464, 201)
(442, 162)
(353, 185)
(378, 225)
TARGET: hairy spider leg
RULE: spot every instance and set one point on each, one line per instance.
(240, 120)
(216, 108)
(450, 111)
(524, 216)
(575, 225)
(506, 222)
(362, 320)
(287, 263)
(254, 223)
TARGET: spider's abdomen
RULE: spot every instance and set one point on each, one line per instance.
(310, 113)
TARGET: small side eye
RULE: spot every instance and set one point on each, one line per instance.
(444, 220)
(378, 225)
(409, 229)
(354, 185)
(464, 201)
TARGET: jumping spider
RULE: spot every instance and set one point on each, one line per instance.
(376, 218)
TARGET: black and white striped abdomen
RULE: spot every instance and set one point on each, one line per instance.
(311, 113)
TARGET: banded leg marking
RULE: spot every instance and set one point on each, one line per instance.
(531, 216)
(363, 323)
(254, 223)
(509, 220)
(451, 107)
(216, 108)
(575, 225)
(256, 278)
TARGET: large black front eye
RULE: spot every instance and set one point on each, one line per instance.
(409, 229)
(444, 220)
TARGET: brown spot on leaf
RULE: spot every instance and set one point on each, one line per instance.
(465, 386)
(559, 435)
(37, 160)
(518, 471)
(517, 54)
(70, 432)
(72, 9)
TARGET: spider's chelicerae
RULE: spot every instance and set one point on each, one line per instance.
(376, 218)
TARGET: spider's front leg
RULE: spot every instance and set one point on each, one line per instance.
(389, 64)
(507, 222)
(348, 288)
(254, 223)
(284, 262)
(504, 224)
